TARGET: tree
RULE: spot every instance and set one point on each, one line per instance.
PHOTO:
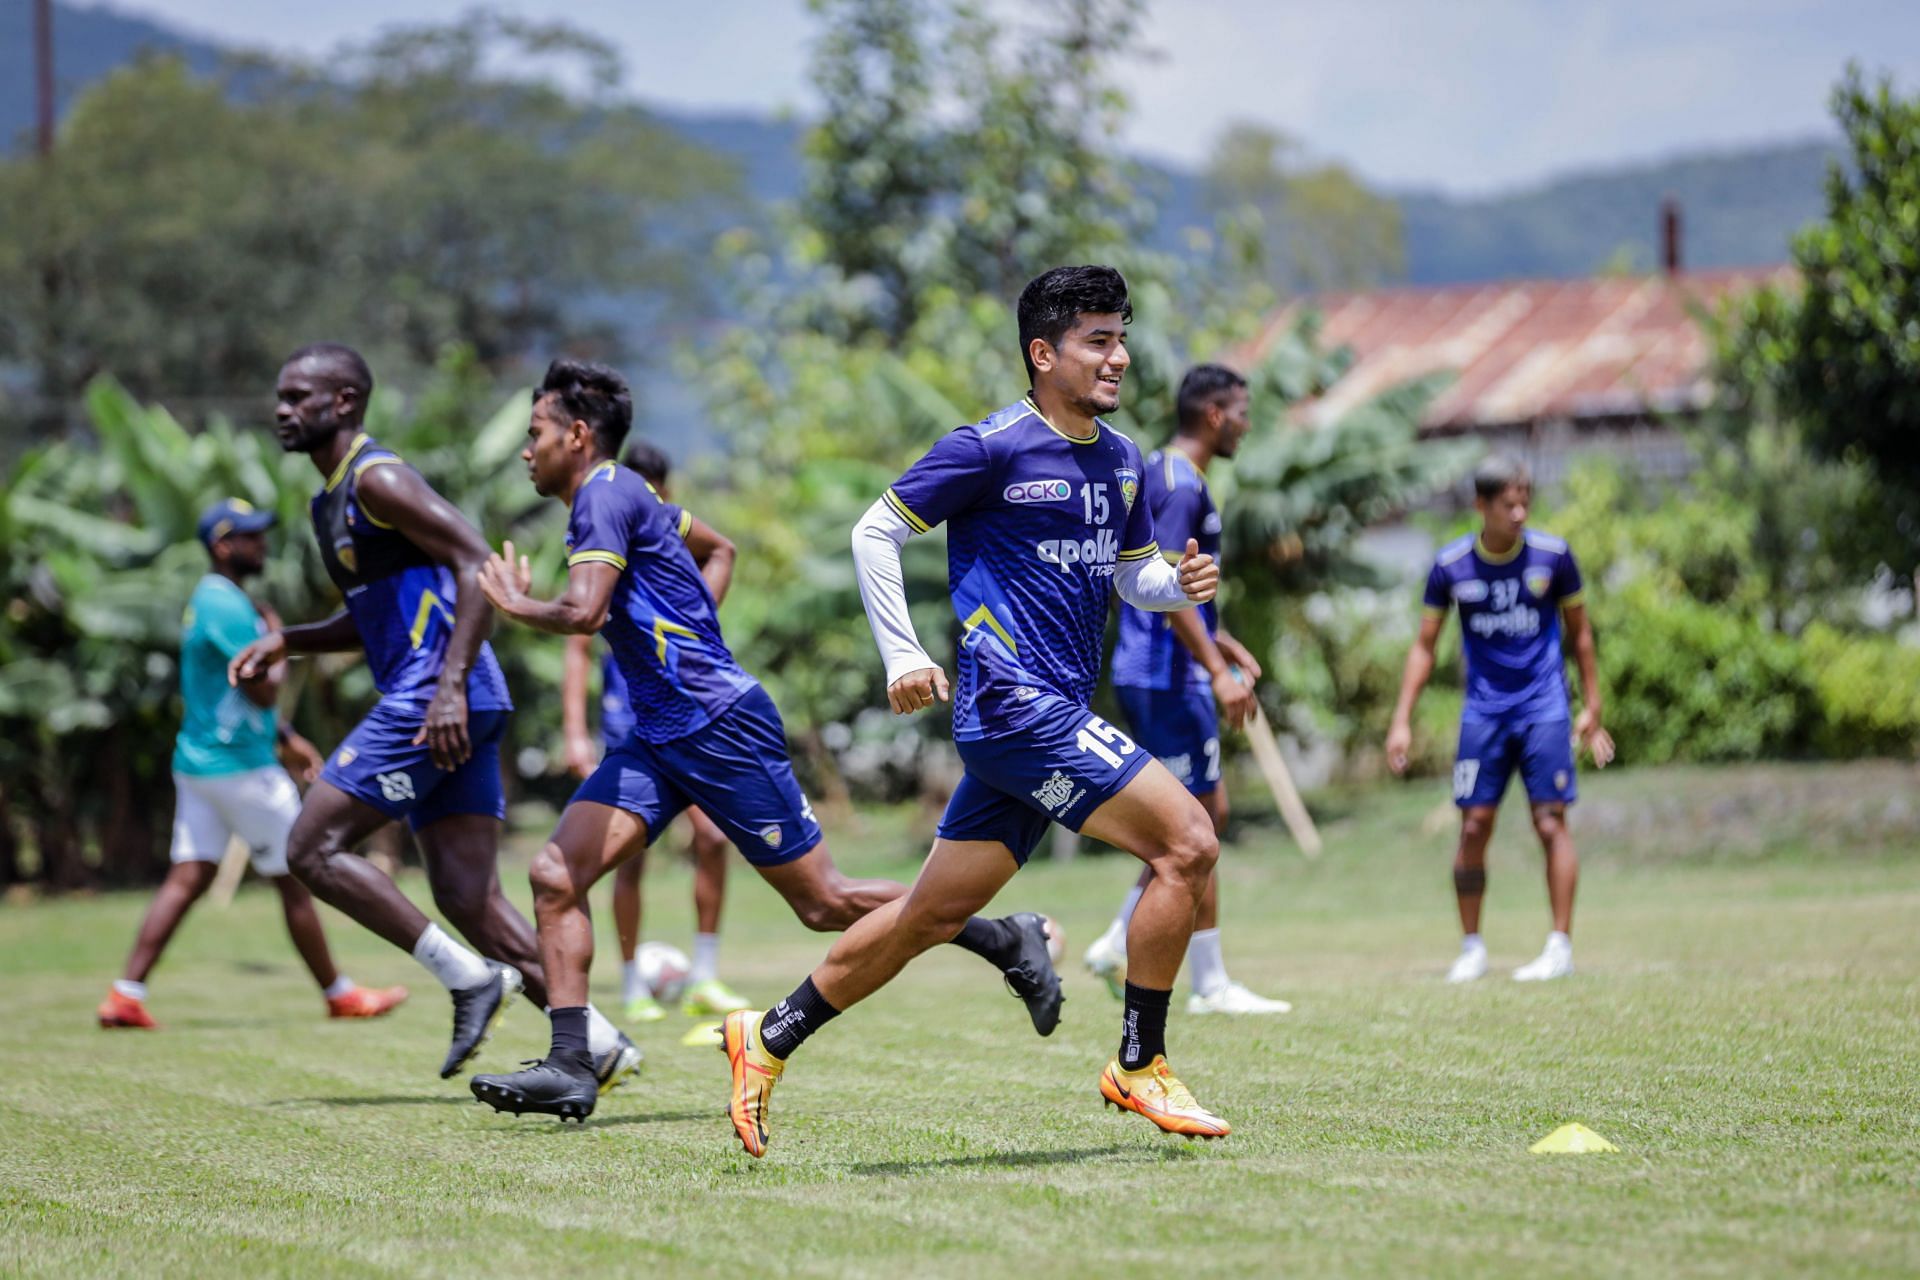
(1315, 225)
(1840, 355)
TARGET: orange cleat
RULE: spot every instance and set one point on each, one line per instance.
(755, 1072)
(124, 1011)
(365, 1002)
(1156, 1093)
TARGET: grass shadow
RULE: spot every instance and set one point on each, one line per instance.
(1013, 1160)
(379, 1100)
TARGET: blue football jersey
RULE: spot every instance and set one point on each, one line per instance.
(616, 711)
(662, 623)
(401, 599)
(1148, 654)
(1510, 622)
(1037, 522)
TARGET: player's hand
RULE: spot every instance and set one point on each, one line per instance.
(254, 660)
(1234, 697)
(1239, 655)
(1199, 575)
(445, 731)
(581, 756)
(917, 690)
(1399, 747)
(1598, 742)
(505, 579)
(302, 759)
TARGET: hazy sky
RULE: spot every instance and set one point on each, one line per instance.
(1468, 95)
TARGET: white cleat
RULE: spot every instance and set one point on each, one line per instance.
(1555, 962)
(1108, 963)
(1234, 998)
(1469, 966)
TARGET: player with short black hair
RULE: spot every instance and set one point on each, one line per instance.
(706, 995)
(1513, 586)
(705, 732)
(1179, 674)
(1041, 501)
(429, 751)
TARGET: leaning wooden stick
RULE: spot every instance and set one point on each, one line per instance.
(233, 866)
(1266, 753)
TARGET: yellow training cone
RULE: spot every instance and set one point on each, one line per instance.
(1572, 1140)
(702, 1035)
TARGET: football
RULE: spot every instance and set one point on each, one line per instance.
(663, 968)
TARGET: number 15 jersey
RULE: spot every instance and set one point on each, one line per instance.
(1037, 522)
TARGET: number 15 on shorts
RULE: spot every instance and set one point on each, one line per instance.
(1105, 741)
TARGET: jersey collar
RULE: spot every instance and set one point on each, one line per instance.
(1029, 402)
(360, 442)
(1505, 557)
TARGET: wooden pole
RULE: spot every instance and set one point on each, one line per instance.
(1266, 753)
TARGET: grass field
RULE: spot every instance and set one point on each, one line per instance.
(1745, 1025)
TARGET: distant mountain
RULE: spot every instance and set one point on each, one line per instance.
(1739, 208)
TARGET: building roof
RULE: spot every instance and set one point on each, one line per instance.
(1528, 350)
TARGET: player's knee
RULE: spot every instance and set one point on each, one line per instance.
(1475, 830)
(929, 924)
(552, 885)
(1549, 821)
(307, 860)
(1193, 848)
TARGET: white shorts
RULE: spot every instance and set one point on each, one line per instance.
(258, 806)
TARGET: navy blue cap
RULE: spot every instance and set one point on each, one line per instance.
(232, 515)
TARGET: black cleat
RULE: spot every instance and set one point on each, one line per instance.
(611, 1069)
(476, 1012)
(1032, 976)
(542, 1088)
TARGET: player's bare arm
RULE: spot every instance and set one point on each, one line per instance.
(399, 497)
(336, 634)
(1419, 669)
(1233, 696)
(1587, 728)
(580, 610)
(714, 553)
(1239, 655)
(580, 752)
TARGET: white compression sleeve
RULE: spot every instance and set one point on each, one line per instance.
(877, 540)
(1150, 584)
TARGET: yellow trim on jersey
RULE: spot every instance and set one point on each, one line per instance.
(429, 602)
(1092, 439)
(1490, 557)
(360, 442)
(905, 512)
(1432, 611)
(1142, 553)
(613, 558)
(1578, 598)
(608, 466)
(985, 615)
(1173, 557)
(686, 523)
(661, 630)
(368, 465)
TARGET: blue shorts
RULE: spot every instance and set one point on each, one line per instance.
(615, 730)
(1490, 749)
(1181, 727)
(736, 769)
(1060, 766)
(379, 765)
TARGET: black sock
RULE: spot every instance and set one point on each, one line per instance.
(569, 1050)
(787, 1025)
(1143, 1027)
(995, 941)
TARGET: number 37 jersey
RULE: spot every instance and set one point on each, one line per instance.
(1037, 523)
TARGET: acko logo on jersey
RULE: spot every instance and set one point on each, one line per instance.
(1472, 591)
(1039, 491)
(1099, 554)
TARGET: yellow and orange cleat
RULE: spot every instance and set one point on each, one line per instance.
(1156, 1093)
(755, 1072)
(365, 1002)
(124, 1011)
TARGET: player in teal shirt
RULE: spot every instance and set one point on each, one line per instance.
(227, 778)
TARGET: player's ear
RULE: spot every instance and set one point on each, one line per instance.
(579, 435)
(1040, 351)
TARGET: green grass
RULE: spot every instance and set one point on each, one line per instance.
(1745, 1025)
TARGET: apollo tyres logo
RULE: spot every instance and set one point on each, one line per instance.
(1038, 491)
(1100, 553)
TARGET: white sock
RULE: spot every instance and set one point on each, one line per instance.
(131, 990)
(632, 985)
(1472, 942)
(706, 958)
(1558, 941)
(1208, 970)
(341, 985)
(601, 1034)
(455, 966)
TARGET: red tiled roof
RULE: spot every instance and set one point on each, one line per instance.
(1527, 350)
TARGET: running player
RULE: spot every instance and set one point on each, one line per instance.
(1042, 503)
(226, 780)
(1178, 674)
(1512, 586)
(705, 732)
(429, 750)
(706, 995)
